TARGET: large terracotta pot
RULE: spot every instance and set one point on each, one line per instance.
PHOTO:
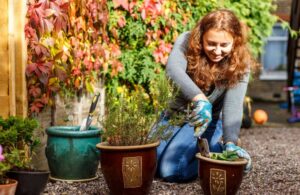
(219, 176)
(128, 169)
(8, 189)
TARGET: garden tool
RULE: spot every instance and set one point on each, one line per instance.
(203, 146)
(87, 121)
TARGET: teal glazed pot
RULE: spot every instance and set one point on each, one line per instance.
(72, 154)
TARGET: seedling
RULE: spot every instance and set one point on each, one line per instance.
(225, 155)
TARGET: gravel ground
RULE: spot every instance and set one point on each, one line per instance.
(275, 154)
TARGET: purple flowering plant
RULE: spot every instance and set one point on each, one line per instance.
(4, 166)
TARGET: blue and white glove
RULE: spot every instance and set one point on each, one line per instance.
(241, 153)
(200, 116)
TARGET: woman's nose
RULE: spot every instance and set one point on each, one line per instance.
(218, 50)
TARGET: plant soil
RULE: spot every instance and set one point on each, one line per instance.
(275, 156)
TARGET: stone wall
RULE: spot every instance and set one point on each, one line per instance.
(283, 9)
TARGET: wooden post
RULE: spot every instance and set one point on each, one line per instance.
(4, 62)
(20, 50)
(11, 56)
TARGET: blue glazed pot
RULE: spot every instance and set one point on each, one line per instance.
(72, 154)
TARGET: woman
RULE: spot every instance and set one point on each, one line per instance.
(211, 66)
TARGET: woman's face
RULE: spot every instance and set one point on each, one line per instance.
(217, 44)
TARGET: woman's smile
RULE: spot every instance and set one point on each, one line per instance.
(217, 44)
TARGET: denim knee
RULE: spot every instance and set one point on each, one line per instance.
(182, 167)
(177, 161)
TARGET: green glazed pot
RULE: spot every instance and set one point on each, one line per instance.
(72, 154)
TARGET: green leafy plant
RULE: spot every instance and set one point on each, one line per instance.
(225, 155)
(131, 121)
(18, 142)
(146, 31)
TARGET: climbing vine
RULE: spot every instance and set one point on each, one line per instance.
(74, 44)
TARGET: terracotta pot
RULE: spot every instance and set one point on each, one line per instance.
(219, 176)
(128, 169)
(8, 189)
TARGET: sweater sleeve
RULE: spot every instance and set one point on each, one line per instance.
(177, 65)
(232, 112)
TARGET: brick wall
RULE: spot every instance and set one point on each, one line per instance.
(283, 9)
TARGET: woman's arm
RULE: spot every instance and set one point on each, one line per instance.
(176, 70)
(232, 112)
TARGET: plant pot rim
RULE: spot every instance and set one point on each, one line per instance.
(241, 161)
(106, 146)
(11, 182)
(32, 172)
(73, 131)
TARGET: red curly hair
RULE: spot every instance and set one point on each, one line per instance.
(229, 70)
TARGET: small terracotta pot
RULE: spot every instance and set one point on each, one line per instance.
(8, 189)
(219, 176)
(128, 169)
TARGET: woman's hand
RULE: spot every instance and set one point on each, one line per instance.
(230, 146)
(201, 116)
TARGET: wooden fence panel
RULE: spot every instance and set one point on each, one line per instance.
(13, 96)
(4, 60)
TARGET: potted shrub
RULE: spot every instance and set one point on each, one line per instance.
(220, 173)
(128, 153)
(7, 186)
(18, 140)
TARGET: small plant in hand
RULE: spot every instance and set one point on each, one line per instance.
(225, 155)
(18, 143)
(131, 117)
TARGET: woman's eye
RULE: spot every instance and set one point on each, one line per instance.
(225, 44)
(212, 44)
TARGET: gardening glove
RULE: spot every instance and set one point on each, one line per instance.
(241, 153)
(200, 116)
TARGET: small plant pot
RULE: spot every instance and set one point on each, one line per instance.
(72, 154)
(29, 182)
(128, 169)
(219, 176)
(10, 188)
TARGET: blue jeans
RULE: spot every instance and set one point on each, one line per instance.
(176, 156)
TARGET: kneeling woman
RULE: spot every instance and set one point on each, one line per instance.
(211, 66)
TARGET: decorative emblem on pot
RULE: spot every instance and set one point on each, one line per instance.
(217, 181)
(132, 171)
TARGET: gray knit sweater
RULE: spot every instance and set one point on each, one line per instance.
(229, 101)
